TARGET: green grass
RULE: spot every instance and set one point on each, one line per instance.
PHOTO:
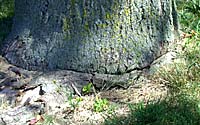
(100, 104)
(6, 15)
(171, 112)
(189, 14)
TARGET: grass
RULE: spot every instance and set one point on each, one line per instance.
(189, 13)
(171, 112)
(6, 15)
(100, 104)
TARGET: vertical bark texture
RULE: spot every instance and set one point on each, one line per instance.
(103, 36)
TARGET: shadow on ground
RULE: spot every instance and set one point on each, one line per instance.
(174, 111)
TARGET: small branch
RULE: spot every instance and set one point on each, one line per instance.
(75, 89)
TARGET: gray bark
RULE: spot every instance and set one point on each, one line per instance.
(90, 36)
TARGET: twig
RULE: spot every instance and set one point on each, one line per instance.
(75, 89)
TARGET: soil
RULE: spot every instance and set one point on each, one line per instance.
(15, 86)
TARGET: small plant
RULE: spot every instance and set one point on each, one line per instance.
(100, 104)
(189, 14)
(74, 102)
(87, 88)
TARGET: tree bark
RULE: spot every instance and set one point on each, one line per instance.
(90, 36)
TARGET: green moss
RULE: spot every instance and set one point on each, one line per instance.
(73, 2)
(127, 11)
(66, 27)
(108, 16)
(66, 24)
(84, 13)
(86, 27)
(115, 5)
(124, 50)
(102, 26)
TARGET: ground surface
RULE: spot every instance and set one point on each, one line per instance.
(21, 100)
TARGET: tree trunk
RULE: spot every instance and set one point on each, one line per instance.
(90, 36)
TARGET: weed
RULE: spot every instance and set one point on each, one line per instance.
(189, 14)
(74, 102)
(87, 88)
(100, 104)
